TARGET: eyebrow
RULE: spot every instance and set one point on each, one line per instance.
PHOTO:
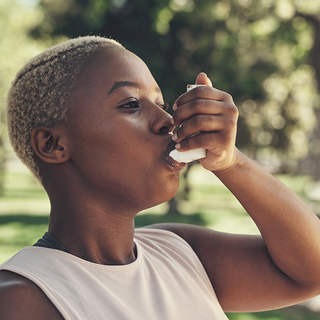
(120, 84)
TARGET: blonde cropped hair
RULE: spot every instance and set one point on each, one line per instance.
(39, 94)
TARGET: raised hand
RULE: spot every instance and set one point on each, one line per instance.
(212, 113)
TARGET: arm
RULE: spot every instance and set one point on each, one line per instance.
(249, 273)
(22, 299)
(290, 230)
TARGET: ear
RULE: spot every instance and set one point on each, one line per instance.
(49, 145)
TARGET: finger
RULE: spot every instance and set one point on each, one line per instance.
(200, 123)
(203, 106)
(208, 140)
(202, 92)
(202, 79)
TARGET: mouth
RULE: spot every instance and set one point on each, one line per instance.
(173, 164)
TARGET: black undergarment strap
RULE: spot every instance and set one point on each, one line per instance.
(50, 241)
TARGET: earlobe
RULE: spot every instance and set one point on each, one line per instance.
(48, 145)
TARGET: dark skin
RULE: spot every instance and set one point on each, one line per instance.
(102, 167)
(31, 302)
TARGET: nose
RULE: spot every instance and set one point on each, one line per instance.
(161, 124)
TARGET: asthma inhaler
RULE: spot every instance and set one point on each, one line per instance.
(191, 155)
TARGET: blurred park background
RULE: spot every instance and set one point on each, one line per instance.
(265, 53)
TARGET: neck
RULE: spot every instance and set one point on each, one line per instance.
(95, 224)
(96, 235)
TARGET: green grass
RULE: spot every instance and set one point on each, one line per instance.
(24, 210)
(292, 313)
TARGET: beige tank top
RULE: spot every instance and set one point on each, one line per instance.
(166, 282)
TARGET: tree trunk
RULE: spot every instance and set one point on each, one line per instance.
(311, 165)
(173, 207)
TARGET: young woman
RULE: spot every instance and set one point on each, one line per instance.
(88, 119)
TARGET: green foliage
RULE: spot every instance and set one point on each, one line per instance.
(258, 51)
(16, 21)
(24, 218)
(291, 313)
(25, 207)
(18, 231)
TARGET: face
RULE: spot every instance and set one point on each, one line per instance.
(119, 133)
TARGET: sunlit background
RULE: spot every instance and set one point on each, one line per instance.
(265, 53)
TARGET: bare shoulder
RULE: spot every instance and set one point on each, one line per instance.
(204, 240)
(190, 233)
(240, 268)
(20, 298)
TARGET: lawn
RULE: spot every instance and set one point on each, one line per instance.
(24, 210)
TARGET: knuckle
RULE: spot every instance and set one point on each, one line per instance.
(233, 110)
(228, 97)
(230, 123)
(197, 121)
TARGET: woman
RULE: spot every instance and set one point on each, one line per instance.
(88, 119)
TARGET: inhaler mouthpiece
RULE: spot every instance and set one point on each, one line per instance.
(188, 156)
(191, 155)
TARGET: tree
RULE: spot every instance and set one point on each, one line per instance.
(16, 20)
(311, 165)
(258, 51)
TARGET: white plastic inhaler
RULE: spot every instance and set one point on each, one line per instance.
(191, 155)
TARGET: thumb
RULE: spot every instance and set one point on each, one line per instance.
(203, 79)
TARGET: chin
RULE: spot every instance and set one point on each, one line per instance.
(165, 196)
(161, 194)
(169, 196)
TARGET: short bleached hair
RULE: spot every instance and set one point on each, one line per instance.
(39, 94)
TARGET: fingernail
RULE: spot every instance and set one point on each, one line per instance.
(178, 145)
(174, 107)
(175, 136)
(172, 121)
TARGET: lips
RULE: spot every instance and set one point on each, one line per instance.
(174, 165)
(171, 145)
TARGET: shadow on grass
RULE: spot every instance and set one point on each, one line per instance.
(24, 219)
(29, 228)
(21, 230)
(147, 219)
(140, 220)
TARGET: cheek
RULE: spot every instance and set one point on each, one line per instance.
(110, 139)
(109, 153)
(124, 157)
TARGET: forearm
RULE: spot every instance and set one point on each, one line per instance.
(289, 228)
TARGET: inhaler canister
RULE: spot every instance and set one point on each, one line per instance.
(191, 155)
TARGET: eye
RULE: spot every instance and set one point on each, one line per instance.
(163, 105)
(134, 104)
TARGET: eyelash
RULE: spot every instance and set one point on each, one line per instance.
(164, 106)
(131, 105)
(135, 105)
